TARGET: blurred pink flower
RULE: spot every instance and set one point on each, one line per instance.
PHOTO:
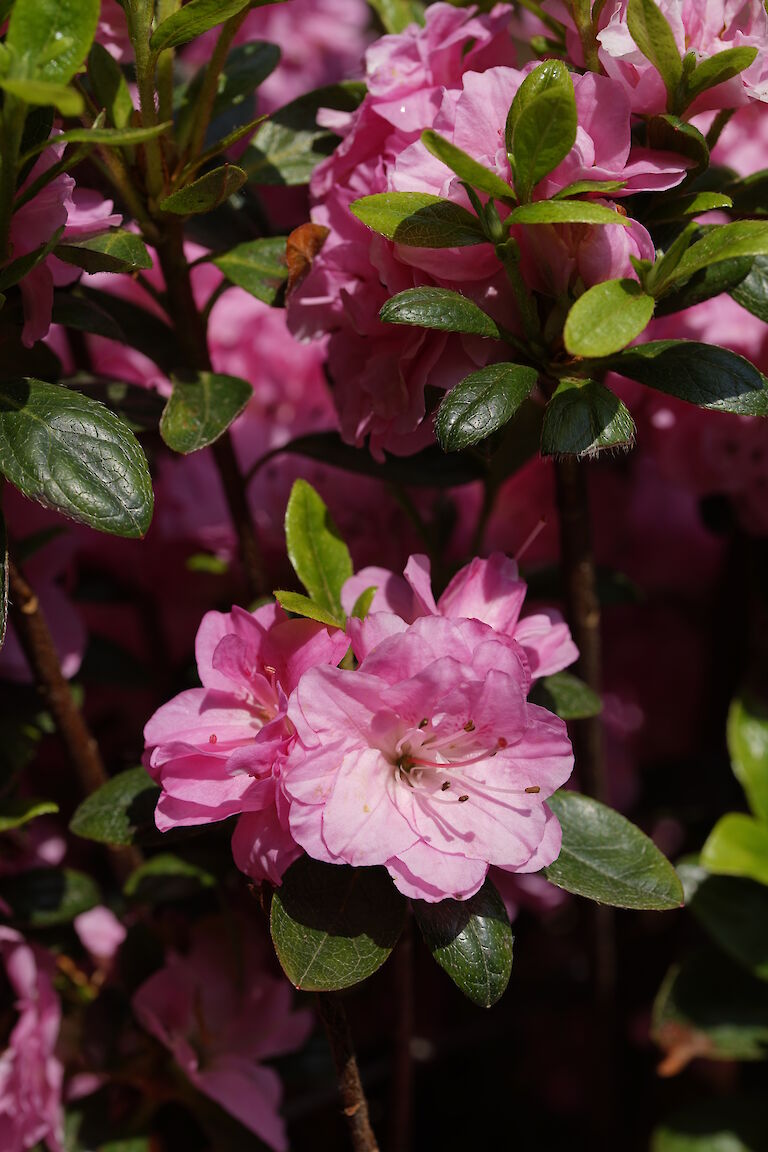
(112, 31)
(100, 933)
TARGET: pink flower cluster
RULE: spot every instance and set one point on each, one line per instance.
(427, 759)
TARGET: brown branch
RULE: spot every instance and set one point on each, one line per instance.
(354, 1104)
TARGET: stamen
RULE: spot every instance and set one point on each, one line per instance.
(212, 739)
(463, 798)
(423, 723)
(531, 537)
(445, 785)
(469, 726)
(533, 790)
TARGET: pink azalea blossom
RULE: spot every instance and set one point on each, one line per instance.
(220, 1013)
(219, 750)
(490, 591)
(428, 759)
(30, 1074)
(100, 933)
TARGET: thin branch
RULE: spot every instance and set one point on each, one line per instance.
(354, 1104)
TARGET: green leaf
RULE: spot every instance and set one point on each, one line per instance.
(606, 858)
(319, 556)
(738, 846)
(748, 747)
(710, 1007)
(83, 315)
(396, 15)
(727, 276)
(142, 330)
(109, 86)
(192, 21)
(108, 137)
(333, 926)
(201, 408)
(23, 809)
(3, 579)
(419, 220)
(692, 204)
(115, 251)
(54, 35)
(581, 187)
(566, 212)
(751, 292)
(120, 812)
(167, 877)
(547, 76)
(362, 605)
(17, 269)
(722, 242)
(48, 897)
(702, 374)
(73, 455)
(584, 418)
(671, 134)
(465, 167)
(607, 318)
(140, 408)
(290, 145)
(716, 69)
(482, 403)
(46, 93)
(206, 193)
(441, 309)
(715, 1125)
(258, 266)
(567, 696)
(302, 606)
(650, 30)
(247, 66)
(733, 911)
(544, 133)
(472, 941)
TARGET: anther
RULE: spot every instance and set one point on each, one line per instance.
(212, 738)
(533, 790)
(469, 726)
(445, 785)
(423, 723)
(502, 742)
(463, 798)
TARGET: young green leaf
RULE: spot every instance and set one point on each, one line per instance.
(300, 605)
(247, 66)
(22, 810)
(583, 187)
(751, 291)
(691, 204)
(45, 92)
(72, 454)
(206, 193)
(115, 251)
(733, 911)
(54, 35)
(607, 318)
(396, 15)
(191, 21)
(550, 75)
(49, 897)
(465, 167)
(333, 926)
(258, 266)
(566, 212)
(714, 70)
(419, 220)
(319, 556)
(107, 137)
(607, 859)
(702, 374)
(737, 846)
(727, 276)
(109, 86)
(441, 309)
(472, 941)
(362, 605)
(201, 408)
(669, 133)
(724, 242)
(650, 30)
(566, 696)
(543, 135)
(584, 418)
(748, 747)
(482, 403)
(122, 812)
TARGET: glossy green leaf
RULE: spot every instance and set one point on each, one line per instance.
(21, 810)
(54, 35)
(710, 1007)
(702, 374)
(441, 309)
(583, 187)
(482, 403)
(167, 877)
(607, 317)
(748, 747)
(713, 70)
(302, 606)
(333, 926)
(584, 418)
(16, 270)
(692, 204)
(140, 408)
(606, 858)
(246, 67)
(258, 266)
(543, 134)
(121, 812)
(3, 579)
(733, 911)
(671, 134)
(567, 696)
(362, 605)
(723, 242)
(45, 92)
(650, 30)
(548, 76)
(48, 897)
(419, 220)
(208, 192)
(109, 86)
(472, 941)
(566, 212)
(733, 1124)
(142, 330)
(397, 15)
(107, 137)
(738, 846)
(83, 315)
(191, 21)
(115, 251)
(319, 556)
(72, 454)
(290, 144)
(727, 276)
(201, 408)
(752, 290)
(465, 167)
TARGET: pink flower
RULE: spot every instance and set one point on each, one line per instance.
(112, 31)
(30, 1074)
(100, 933)
(490, 591)
(218, 751)
(220, 1013)
(428, 759)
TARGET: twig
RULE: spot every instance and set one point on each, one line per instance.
(354, 1104)
(402, 1072)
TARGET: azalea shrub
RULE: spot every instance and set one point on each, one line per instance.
(383, 575)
